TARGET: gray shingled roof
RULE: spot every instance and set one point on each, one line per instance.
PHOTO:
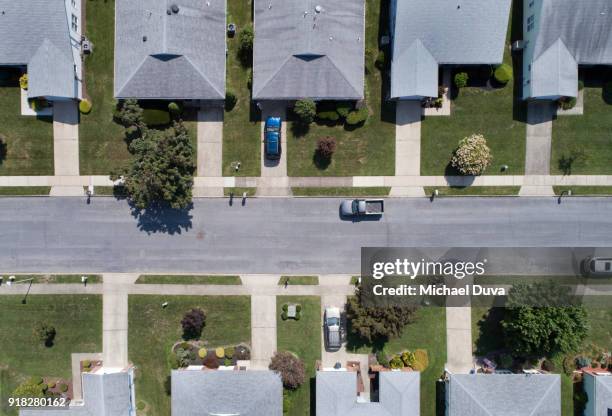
(183, 56)
(571, 33)
(36, 33)
(465, 32)
(247, 393)
(399, 394)
(103, 395)
(603, 393)
(504, 395)
(302, 53)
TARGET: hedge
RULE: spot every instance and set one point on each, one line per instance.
(567, 103)
(357, 117)
(154, 117)
(343, 109)
(461, 79)
(85, 106)
(503, 74)
(328, 115)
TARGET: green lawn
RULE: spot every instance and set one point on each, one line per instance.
(241, 128)
(26, 147)
(189, 280)
(153, 330)
(101, 141)
(299, 280)
(584, 190)
(366, 150)
(24, 190)
(59, 278)
(77, 320)
(473, 190)
(427, 332)
(303, 338)
(365, 191)
(583, 144)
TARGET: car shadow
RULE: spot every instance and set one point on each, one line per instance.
(271, 163)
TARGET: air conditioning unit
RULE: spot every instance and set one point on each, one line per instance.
(86, 47)
(518, 45)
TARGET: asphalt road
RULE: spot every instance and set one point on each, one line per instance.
(273, 235)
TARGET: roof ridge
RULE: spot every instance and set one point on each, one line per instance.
(265, 84)
(203, 76)
(125, 84)
(473, 398)
(341, 73)
(545, 395)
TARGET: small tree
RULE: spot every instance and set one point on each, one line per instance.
(472, 156)
(326, 146)
(290, 368)
(230, 100)
(306, 110)
(461, 79)
(503, 74)
(193, 322)
(45, 333)
(245, 46)
(130, 114)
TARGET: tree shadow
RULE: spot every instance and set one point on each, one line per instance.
(168, 385)
(490, 335)
(566, 162)
(313, 396)
(320, 161)
(440, 398)
(3, 150)
(163, 219)
(299, 129)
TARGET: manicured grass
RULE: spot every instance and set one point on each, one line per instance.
(473, 190)
(241, 128)
(427, 332)
(583, 144)
(24, 190)
(366, 191)
(117, 191)
(366, 150)
(584, 190)
(239, 191)
(299, 280)
(188, 280)
(101, 141)
(153, 330)
(57, 278)
(77, 320)
(303, 338)
(28, 139)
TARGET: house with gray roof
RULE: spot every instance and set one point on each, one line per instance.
(598, 387)
(559, 36)
(427, 35)
(226, 392)
(503, 395)
(398, 394)
(43, 37)
(170, 49)
(106, 392)
(309, 49)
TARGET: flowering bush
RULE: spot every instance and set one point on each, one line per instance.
(473, 156)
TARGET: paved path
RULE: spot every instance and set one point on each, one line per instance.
(459, 340)
(115, 319)
(539, 141)
(210, 148)
(274, 181)
(263, 330)
(408, 145)
(66, 145)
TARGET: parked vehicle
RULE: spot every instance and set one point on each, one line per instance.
(358, 207)
(331, 329)
(272, 137)
(597, 266)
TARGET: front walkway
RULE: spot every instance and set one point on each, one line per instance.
(115, 319)
(408, 145)
(459, 339)
(66, 145)
(274, 181)
(210, 148)
(539, 137)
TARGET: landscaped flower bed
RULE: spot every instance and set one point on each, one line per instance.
(186, 353)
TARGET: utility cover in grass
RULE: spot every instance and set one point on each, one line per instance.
(291, 311)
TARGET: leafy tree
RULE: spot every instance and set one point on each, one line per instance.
(473, 156)
(45, 333)
(162, 168)
(531, 329)
(290, 368)
(326, 146)
(130, 114)
(245, 46)
(377, 323)
(306, 110)
(193, 322)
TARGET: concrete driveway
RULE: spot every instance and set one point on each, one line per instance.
(274, 172)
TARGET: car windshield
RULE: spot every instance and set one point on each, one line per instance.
(333, 321)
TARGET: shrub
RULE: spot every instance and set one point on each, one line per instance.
(357, 117)
(305, 110)
(473, 156)
(569, 365)
(396, 362)
(175, 109)
(129, 114)
(285, 307)
(284, 315)
(326, 146)
(45, 333)
(421, 360)
(290, 368)
(245, 46)
(369, 56)
(63, 388)
(382, 357)
(461, 79)
(36, 380)
(183, 357)
(503, 74)
(140, 405)
(328, 115)
(23, 82)
(51, 384)
(230, 100)
(229, 352)
(380, 60)
(580, 85)
(505, 361)
(566, 103)
(408, 358)
(298, 308)
(227, 362)
(297, 316)
(86, 363)
(173, 361)
(193, 322)
(343, 109)
(85, 106)
(242, 353)
(202, 353)
(211, 361)
(548, 365)
(220, 352)
(154, 117)
(29, 389)
(250, 78)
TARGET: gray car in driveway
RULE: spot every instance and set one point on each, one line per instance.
(331, 329)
